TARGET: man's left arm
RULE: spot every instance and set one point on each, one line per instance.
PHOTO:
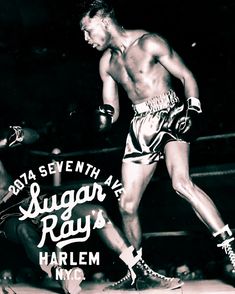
(174, 64)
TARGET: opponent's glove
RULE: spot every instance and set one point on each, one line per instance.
(16, 135)
(188, 126)
(103, 117)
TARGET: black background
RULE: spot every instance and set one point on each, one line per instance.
(47, 70)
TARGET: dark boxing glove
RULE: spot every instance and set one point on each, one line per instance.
(103, 117)
(16, 135)
(187, 125)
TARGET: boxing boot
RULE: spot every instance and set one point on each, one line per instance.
(16, 135)
(140, 276)
(147, 278)
(226, 242)
(125, 283)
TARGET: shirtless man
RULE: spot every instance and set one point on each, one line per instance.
(143, 63)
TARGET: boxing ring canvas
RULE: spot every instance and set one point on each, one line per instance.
(50, 83)
(190, 287)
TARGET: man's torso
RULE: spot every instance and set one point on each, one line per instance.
(140, 73)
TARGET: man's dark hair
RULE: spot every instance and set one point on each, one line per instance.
(104, 8)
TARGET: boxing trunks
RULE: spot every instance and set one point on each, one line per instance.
(152, 128)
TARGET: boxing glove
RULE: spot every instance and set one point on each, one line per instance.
(186, 123)
(103, 117)
(16, 135)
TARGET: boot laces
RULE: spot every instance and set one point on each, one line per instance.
(226, 246)
(125, 278)
(17, 136)
(149, 271)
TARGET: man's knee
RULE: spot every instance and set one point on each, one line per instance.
(96, 212)
(128, 206)
(183, 186)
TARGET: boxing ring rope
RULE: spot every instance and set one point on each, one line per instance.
(175, 234)
(214, 173)
(55, 155)
(215, 137)
(114, 149)
(75, 153)
(228, 169)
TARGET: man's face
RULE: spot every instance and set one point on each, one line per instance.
(95, 32)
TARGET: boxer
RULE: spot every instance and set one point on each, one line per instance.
(163, 125)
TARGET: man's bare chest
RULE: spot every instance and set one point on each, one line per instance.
(130, 67)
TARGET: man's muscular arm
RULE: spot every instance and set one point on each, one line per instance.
(187, 125)
(172, 62)
(110, 89)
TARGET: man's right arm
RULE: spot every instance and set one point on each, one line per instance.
(110, 89)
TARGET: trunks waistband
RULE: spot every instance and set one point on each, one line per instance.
(157, 103)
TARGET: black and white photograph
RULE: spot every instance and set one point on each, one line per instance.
(117, 147)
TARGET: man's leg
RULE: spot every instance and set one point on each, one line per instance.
(109, 233)
(26, 234)
(177, 161)
(139, 276)
(135, 179)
